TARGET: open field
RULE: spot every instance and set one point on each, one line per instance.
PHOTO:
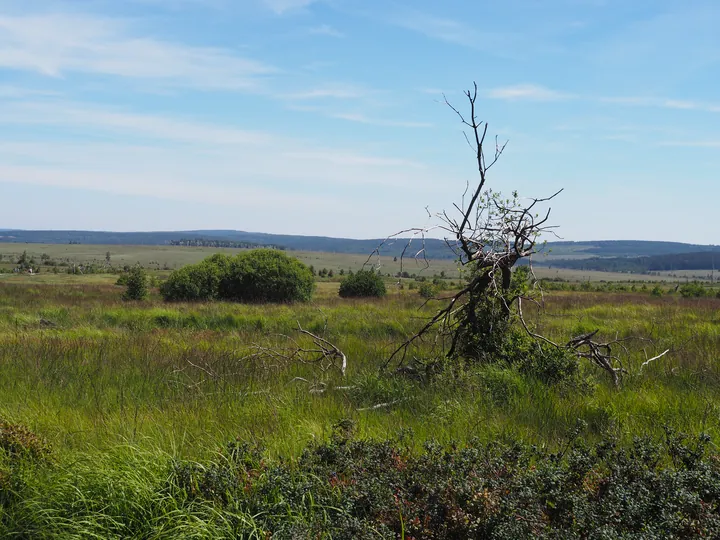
(171, 257)
(94, 334)
(163, 258)
(123, 390)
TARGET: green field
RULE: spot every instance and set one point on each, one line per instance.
(171, 257)
(161, 258)
(122, 391)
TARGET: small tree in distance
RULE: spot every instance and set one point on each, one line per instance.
(136, 284)
(363, 283)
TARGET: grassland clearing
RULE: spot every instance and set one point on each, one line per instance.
(121, 390)
(161, 259)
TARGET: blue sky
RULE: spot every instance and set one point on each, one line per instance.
(325, 116)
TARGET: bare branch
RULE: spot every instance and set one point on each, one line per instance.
(326, 349)
(646, 362)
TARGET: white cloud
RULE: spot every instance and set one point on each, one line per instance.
(529, 92)
(13, 92)
(178, 158)
(500, 43)
(282, 6)
(438, 28)
(664, 103)
(713, 143)
(326, 30)
(59, 44)
(362, 119)
(72, 115)
(331, 91)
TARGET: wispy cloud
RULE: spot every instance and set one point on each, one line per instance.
(712, 143)
(529, 92)
(330, 91)
(664, 103)
(282, 6)
(13, 92)
(438, 28)
(534, 92)
(362, 119)
(60, 44)
(500, 43)
(188, 152)
(143, 125)
(326, 30)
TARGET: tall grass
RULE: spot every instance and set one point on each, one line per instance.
(122, 389)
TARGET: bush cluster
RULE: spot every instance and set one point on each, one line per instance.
(364, 283)
(261, 275)
(694, 289)
(349, 488)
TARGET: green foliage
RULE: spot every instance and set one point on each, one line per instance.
(693, 289)
(427, 290)
(266, 275)
(197, 282)
(364, 283)
(657, 291)
(139, 400)
(351, 488)
(136, 284)
(486, 331)
(551, 365)
(17, 441)
(262, 275)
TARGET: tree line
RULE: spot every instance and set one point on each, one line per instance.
(639, 265)
(213, 243)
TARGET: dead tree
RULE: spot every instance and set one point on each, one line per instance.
(489, 234)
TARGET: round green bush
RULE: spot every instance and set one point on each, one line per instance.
(197, 282)
(364, 283)
(261, 275)
(267, 275)
(427, 290)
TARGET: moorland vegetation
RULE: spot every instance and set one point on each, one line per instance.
(243, 398)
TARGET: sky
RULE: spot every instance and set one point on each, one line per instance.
(326, 117)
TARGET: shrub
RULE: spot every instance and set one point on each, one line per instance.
(261, 275)
(550, 364)
(693, 290)
(427, 290)
(17, 441)
(267, 275)
(197, 282)
(380, 489)
(137, 284)
(363, 283)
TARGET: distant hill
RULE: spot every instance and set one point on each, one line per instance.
(435, 248)
(622, 248)
(704, 260)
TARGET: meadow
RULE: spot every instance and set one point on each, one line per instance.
(162, 259)
(104, 402)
